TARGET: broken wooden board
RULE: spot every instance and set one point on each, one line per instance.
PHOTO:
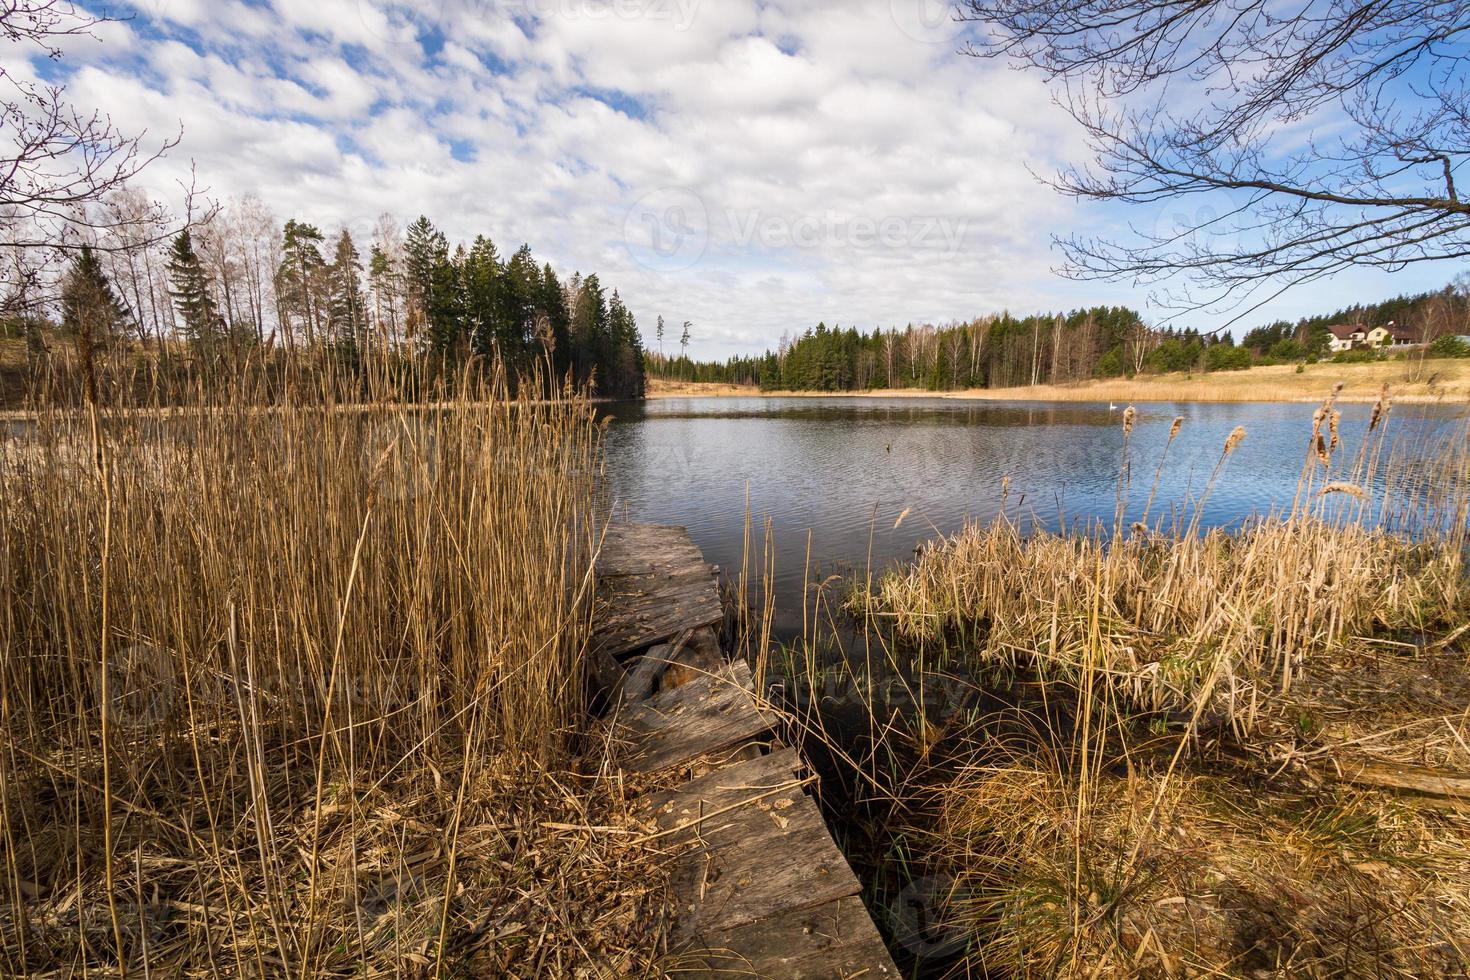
(652, 583)
(762, 889)
(638, 611)
(733, 797)
(759, 886)
(710, 713)
(836, 941)
(1407, 779)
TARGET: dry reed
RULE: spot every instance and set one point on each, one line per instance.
(337, 703)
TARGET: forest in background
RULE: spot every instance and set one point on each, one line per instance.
(1007, 351)
(238, 287)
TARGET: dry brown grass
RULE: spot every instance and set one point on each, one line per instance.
(1413, 380)
(1208, 623)
(1164, 784)
(1150, 875)
(299, 692)
(1188, 624)
(667, 388)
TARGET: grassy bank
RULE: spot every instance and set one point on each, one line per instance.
(1412, 380)
(1151, 751)
(300, 693)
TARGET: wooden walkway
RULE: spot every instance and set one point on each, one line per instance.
(760, 886)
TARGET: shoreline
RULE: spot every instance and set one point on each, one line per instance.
(1426, 382)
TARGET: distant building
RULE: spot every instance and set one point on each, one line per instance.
(1346, 336)
(1404, 336)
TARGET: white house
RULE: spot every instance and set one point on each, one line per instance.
(1346, 336)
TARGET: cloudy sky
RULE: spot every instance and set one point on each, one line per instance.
(751, 165)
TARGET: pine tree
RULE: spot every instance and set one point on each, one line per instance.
(659, 332)
(684, 339)
(346, 318)
(299, 280)
(202, 324)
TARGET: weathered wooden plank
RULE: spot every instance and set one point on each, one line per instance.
(674, 727)
(760, 886)
(638, 611)
(647, 549)
(836, 941)
(732, 800)
(653, 583)
(1408, 779)
(760, 873)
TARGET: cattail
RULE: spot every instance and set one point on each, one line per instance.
(1174, 429)
(1235, 436)
(1129, 414)
(1351, 489)
(1380, 408)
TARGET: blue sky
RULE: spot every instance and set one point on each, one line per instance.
(753, 167)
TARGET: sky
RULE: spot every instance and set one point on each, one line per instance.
(751, 166)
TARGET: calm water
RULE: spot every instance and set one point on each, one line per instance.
(846, 468)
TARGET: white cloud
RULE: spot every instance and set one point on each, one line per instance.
(806, 159)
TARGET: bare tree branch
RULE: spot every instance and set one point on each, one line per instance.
(1332, 130)
(57, 161)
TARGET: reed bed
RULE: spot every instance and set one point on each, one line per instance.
(1172, 618)
(1130, 750)
(300, 692)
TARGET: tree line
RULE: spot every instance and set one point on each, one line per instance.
(238, 285)
(1007, 351)
(986, 352)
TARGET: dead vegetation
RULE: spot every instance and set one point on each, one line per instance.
(300, 692)
(1229, 752)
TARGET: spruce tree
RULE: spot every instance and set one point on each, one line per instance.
(202, 326)
(425, 251)
(88, 303)
(90, 311)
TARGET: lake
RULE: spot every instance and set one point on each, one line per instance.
(844, 469)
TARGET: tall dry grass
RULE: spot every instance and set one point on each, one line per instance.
(1127, 751)
(1170, 617)
(297, 691)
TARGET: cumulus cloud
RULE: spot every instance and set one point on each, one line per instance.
(751, 165)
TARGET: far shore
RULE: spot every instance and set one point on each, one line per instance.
(1411, 380)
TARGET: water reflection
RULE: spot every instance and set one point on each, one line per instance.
(844, 469)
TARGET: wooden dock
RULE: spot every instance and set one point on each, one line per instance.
(761, 889)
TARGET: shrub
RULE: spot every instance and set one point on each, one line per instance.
(1223, 357)
(1358, 355)
(1450, 346)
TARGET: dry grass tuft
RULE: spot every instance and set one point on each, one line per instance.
(1200, 874)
